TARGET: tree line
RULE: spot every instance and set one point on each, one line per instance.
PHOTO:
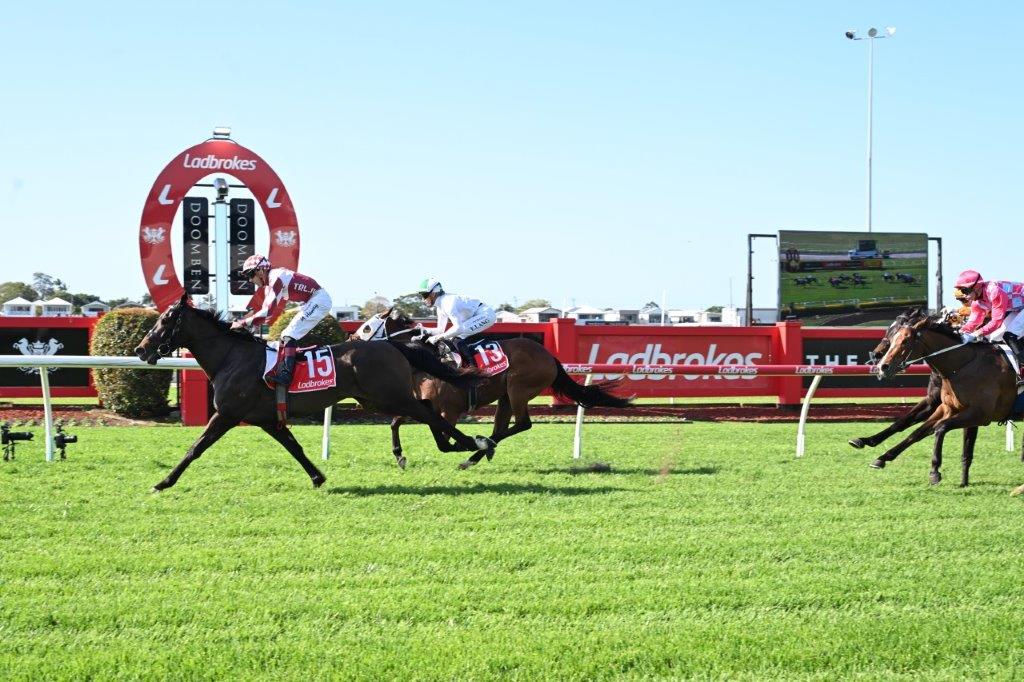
(45, 286)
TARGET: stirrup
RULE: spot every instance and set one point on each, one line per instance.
(281, 392)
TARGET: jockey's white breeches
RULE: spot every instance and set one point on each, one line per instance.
(310, 313)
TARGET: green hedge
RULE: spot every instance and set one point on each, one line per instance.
(130, 392)
(327, 330)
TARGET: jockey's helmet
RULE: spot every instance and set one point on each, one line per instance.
(430, 286)
(967, 281)
(253, 263)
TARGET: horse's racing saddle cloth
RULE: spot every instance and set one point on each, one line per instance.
(314, 369)
(487, 356)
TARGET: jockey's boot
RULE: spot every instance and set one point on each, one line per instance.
(1014, 342)
(449, 352)
(283, 378)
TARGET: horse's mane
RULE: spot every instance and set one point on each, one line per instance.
(225, 326)
(939, 324)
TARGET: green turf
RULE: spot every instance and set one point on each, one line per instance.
(708, 552)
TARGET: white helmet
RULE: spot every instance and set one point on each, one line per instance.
(430, 286)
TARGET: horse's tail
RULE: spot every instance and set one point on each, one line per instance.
(425, 361)
(595, 395)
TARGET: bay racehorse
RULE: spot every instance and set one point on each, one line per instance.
(531, 370)
(978, 386)
(378, 375)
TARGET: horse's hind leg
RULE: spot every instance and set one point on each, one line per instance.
(285, 437)
(218, 425)
(970, 437)
(934, 476)
(517, 407)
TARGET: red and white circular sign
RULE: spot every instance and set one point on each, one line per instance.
(175, 181)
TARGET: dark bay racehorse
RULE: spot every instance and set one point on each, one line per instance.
(378, 375)
(979, 386)
(531, 370)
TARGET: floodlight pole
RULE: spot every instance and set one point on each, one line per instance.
(222, 249)
(938, 273)
(749, 322)
(871, 37)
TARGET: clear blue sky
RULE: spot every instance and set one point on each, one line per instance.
(596, 152)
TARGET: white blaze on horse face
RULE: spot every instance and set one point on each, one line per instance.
(890, 355)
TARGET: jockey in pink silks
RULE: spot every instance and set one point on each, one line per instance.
(1002, 301)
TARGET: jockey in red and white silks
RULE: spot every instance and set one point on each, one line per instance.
(281, 284)
(287, 285)
(468, 316)
(1001, 300)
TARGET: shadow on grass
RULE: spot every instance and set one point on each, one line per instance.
(476, 489)
(580, 470)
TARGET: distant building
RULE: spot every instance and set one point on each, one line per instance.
(18, 307)
(539, 314)
(585, 314)
(95, 309)
(507, 316)
(345, 313)
(651, 314)
(622, 316)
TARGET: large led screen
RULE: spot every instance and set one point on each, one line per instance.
(851, 278)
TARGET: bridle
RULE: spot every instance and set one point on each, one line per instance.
(918, 337)
(165, 348)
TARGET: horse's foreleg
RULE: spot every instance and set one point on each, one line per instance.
(396, 442)
(215, 428)
(918, 413)
(925, 429)
(967, 456)
(285, 437)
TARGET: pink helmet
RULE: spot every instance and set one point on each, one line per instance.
(253, 263)
(968, 279)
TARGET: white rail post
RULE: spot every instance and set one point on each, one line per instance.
(1009, 436)
(577, 440)
(804, 409)
(44, 379)
(325, 448)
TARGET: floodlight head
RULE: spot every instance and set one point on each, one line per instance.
(889, 30)
(851, 34)
(221, 185)
(872, 32)
(222, 132)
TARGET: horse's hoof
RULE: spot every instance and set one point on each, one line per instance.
(319, 480)
(934, 478)
(857, 443)
(401, 462)
(465, 465)
(486, 444)
(878, 464)
(162, 485)
(1017, 491)
(154, 489)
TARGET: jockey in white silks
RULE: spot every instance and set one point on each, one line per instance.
(467, 316)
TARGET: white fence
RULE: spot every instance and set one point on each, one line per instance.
(45, 362)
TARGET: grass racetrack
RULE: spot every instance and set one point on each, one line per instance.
(708, 552)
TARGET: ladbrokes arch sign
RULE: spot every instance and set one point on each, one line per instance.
(175, 181)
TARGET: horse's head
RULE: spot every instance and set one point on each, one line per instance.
(384, 325)
(876, 353)
(163, 339)
(906, 338)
